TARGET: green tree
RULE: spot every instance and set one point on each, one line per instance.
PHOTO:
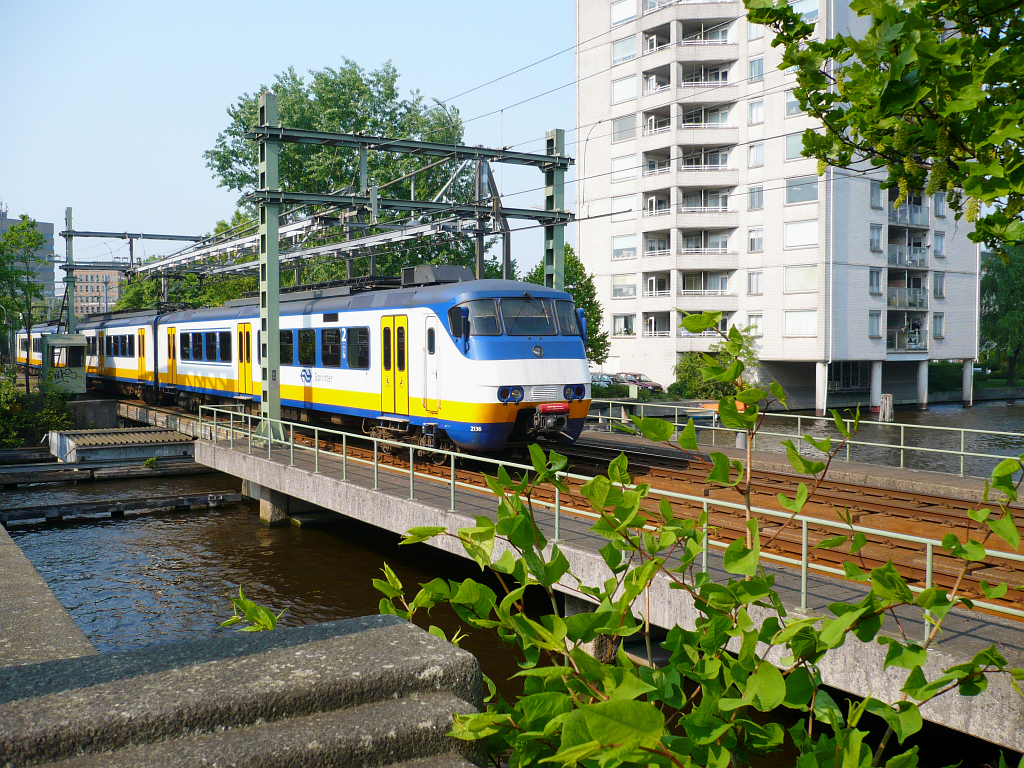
(930, 92)
(1002, 306)
(690, 384)
(580, 284)
(18, 261)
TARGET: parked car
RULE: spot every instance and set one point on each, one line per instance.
(642, 380)
(601, 380)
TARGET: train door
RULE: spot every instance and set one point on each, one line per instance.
(172, 356)
(430, 395)
(387, 365)
(244, 358)
(394, 384)
(101, 339)
(401, 365)
(142, 354)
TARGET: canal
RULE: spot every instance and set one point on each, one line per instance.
(164, 578)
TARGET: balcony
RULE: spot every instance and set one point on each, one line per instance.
(898, 340)
(661, 126)
(700, 134)
(909, 215)
(655, 252)
(658, 168)
(707, 292)
(908, 298)
(707, 301)
(650, 333)
(657, 294)
(708, 91)
(913, 257)
(659, 211)
(652, 88)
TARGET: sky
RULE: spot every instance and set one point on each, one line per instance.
(107, 107)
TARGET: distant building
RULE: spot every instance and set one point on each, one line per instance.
(97, 288)
(44, 256)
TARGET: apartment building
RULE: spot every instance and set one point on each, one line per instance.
(97, 288)
(693, 195)
(43, 265)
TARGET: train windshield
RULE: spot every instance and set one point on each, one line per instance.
(567, 318)
(483, 318)
(528, 317)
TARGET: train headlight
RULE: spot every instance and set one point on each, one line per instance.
(568, 392)
(510, 394)
(517, 394)
(581, 390)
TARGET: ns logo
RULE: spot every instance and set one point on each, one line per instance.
(306, 375)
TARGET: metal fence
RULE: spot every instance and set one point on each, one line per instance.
(256, 435)
(953, 450)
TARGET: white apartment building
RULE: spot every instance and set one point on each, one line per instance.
(693, 195)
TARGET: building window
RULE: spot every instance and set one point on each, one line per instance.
(939, 244)
(876, 237)
(754, 325)
(876, 194)
(874, 281)
(623, 247)
(623, 286)
(624, 128)
(808, 9)
(940, 203)
(938, 325)
(875, 323)
(624, 89)
(755, 240)
(623, 325)
(623, 11)
(754, 31)
(755, 112)
(624, 168)
(754, 283)
(718, 242)
(803, 189)
(801, 279)
(800, 322)
(755, 198)
(624, 50)
(800, 234)
(622, 208)
(794, 146)
(755, 69)
(939, 285)
(792, 104)
(755, 156)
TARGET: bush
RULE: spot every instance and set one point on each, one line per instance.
(615, 390)
(945, 377)
(690, 384)
(24, 419)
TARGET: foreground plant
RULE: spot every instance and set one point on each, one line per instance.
(745, 668)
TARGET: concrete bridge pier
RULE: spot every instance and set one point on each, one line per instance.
(275, 507)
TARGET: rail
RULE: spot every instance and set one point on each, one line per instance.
(229, 422)
(929, 433)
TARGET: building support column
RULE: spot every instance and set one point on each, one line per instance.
(968, 394)
(601, 647)
(876, 386)
(922, 385)
(274, 505)
(820, 387)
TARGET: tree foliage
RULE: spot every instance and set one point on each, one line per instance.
(26, 418)
(1002, 306)
(931, 93)
(580, 284)
(18, 261)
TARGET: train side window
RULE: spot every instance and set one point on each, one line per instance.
(241, 346)
(24, 345)
(307, 347)
(330, 347)
(37, 345)
(185, 342)
(131, 345)
(567, 318)
(142, 345)
(400, 348)
(119, 346)
(110, 346)
(287, 348)
(225, 346)
(431, 343)
(386, 349)
(248, 347)
(211, 347)
(358, 348)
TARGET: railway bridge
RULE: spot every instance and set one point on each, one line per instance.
(395, 487)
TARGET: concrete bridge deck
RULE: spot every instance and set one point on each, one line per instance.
(280, 476)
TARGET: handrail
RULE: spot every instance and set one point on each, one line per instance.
(803, 562)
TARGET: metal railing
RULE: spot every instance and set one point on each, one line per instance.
(656, 293)
(923, 439)
(683, 251)
(705, 209)
(685, 334)
(226, 424)
(908, 298)
(908, 256)
(657, 211)
(914, 215)
(897, 340)
(659, 168)
(657, 252)
(657, 334)
(706, 292)
(716, 167)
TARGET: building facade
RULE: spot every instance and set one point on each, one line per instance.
(693, 195)
(97, 288)
(43, 266)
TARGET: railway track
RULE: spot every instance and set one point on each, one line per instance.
(908, 513)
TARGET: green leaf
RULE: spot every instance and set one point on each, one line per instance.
(538, 459)
(613, 722)
(831, 542)
(738, 559)
(688, 437)
(799, 463)
(902, 656)
(386, 589)
(656, 430)
(720, 470)
(796, 504)
(993, 591)
(859, 540)
(422, 533)
(833, 632)
(617, 470)
(732, 418)
(778, 392)
(766, 687)
(840, 423)
(905, 719)
(853, 572)
(825, 446)
(887, 584)
(1006, 529)
(699, 323)
(750, 396)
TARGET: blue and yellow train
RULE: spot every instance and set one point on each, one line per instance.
(473, 364)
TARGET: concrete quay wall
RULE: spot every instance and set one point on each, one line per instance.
(997, 715)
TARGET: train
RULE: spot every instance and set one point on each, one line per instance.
(439, 360)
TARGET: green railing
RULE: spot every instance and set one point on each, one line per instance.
(248, 432)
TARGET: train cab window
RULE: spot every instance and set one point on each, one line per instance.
(225, 346)
(185, 344)
(528, 317)
(307, 347)
(287, 348)
(400, 348)
(483, 318)
(131, 345)
(211, 347)
(431, 342)
(567, 318)
(357, 350)
(386, 349)
(330, 347)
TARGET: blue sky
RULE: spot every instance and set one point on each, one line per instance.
(108, 107)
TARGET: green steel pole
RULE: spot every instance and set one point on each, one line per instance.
(69, 280)
(554, 200)
(270, 271)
